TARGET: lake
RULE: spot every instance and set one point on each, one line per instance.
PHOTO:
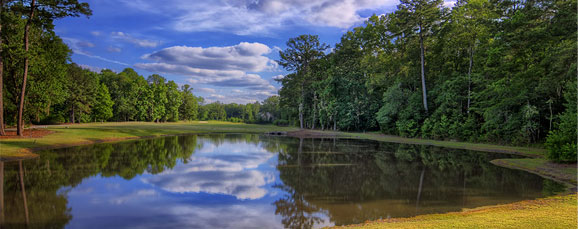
(252, 181)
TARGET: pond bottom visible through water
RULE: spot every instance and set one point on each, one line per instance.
(248, 181)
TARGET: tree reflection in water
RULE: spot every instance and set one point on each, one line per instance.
(320, 181)
(352, 181)
(35, 190)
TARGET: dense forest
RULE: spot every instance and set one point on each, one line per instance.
(483, 70)
(500, 71)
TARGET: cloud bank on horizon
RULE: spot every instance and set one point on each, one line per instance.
(225, 49)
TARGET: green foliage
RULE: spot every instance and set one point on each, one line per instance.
(82, 87)
(271, 109)
(495, 72)
(561, 143)
(174, 101)
(53, 119)
(189, 108)
(102, 109)
(281, 122)
(394, 100)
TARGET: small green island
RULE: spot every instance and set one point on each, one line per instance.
(288, 114)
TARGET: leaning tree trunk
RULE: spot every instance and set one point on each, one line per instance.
(422, 51)
(1, 75)
(20, 126)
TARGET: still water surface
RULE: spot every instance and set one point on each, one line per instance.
(251, 181)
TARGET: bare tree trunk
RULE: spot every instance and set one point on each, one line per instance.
(470, 76)
(314, 110)
(20, 126)
(334, 124)
(23, 193)
(2, 132)
(301, 106)
(551, 114)
(72, 115)
(424, 90)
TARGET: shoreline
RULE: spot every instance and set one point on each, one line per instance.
(550, 212)
(86, 134)
(534, 163)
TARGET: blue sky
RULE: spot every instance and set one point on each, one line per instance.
(225, 49)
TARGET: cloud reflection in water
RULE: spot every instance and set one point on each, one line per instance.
(224, 170)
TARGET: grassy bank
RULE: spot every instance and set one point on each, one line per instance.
(79, 134)
(525, 151)
(560, 172)
(551, 212)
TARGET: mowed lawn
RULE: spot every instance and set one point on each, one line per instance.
(67, 135)
(552, 212)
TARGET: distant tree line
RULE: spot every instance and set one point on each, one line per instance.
(257, 112)
(86, 96)
(501, 71)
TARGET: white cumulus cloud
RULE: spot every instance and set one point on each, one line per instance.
(244, 56)
(235, 67)
(245, 17)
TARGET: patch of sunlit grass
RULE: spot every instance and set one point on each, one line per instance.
(67, 135)
(551, 212)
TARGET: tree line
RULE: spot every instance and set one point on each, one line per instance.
(39, 84)
(499, 71)
(85, 96)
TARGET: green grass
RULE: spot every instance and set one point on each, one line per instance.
(561, 172)
(526, 151)
(551, 212)
(68, 135)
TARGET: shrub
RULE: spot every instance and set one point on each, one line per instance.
(53, 119)
(561, 143)
(281, 122)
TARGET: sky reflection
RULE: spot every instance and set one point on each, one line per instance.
(223, 185)
(252, 181)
